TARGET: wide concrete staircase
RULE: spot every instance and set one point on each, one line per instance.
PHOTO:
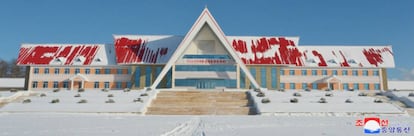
(201, 103)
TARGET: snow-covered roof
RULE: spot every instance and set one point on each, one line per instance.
(66, 54)
(141, 49)
(347, 56)
(136, 49)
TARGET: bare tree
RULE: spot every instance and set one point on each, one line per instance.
(3, 68)
(16, 71)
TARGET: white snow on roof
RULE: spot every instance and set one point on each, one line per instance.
(66, 54)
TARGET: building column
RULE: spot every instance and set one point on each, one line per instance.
(71, 85)
(237, 76)
(173, 76)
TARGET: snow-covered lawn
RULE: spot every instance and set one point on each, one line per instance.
(308, 104)
(52, 124)
(68, 103)
(6, 94)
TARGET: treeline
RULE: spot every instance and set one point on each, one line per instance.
(10, 69)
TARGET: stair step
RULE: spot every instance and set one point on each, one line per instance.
(200, 103)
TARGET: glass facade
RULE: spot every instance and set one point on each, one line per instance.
(148, 71)
(274, 77)
(208, 83)
(137, 76)
(263, 82)
(242, 79)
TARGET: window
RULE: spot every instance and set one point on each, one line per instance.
(292, 86)
(34, 84)
(314, 85)
(282, 72)
(107, 71)
(304, 72)
(263, 77)
(77, 71)
(356, 86)
(57, 70)
(45, 84)
(345, 86)
(106, 85)
(366, 86)
(46, 70)
(375, 73)
(304, 85)
(335, 72)
(36, 71)
(344, 72)
(355, 72)
(66, 70)
(365, 72)
(96, 85)
(65, 84)
(128, 84)
(324, 72)
(377, 86)
(118, 84)
(119, 71)
(55, 84)
(282, 85)
(291, 72)
(87, 71)
(97, 71)
(314, 72)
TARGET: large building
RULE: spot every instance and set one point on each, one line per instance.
(205, 58)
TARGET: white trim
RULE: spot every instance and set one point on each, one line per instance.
(204, 18)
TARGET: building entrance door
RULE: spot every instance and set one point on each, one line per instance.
(205, 84)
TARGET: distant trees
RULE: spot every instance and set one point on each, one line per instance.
(10, 69)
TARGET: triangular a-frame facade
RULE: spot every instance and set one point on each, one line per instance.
(204, 20)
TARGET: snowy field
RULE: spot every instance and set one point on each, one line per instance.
(308, 104)
(307, 117)
(41, 124)
(96, 102)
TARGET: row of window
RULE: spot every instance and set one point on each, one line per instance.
(334, 72)
(78, 71)
(345, 86)
(65, 84)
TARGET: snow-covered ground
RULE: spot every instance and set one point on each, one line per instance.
(124, 102)
(6, 94)
(42, 124)
(308, 104)
(42, 118)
